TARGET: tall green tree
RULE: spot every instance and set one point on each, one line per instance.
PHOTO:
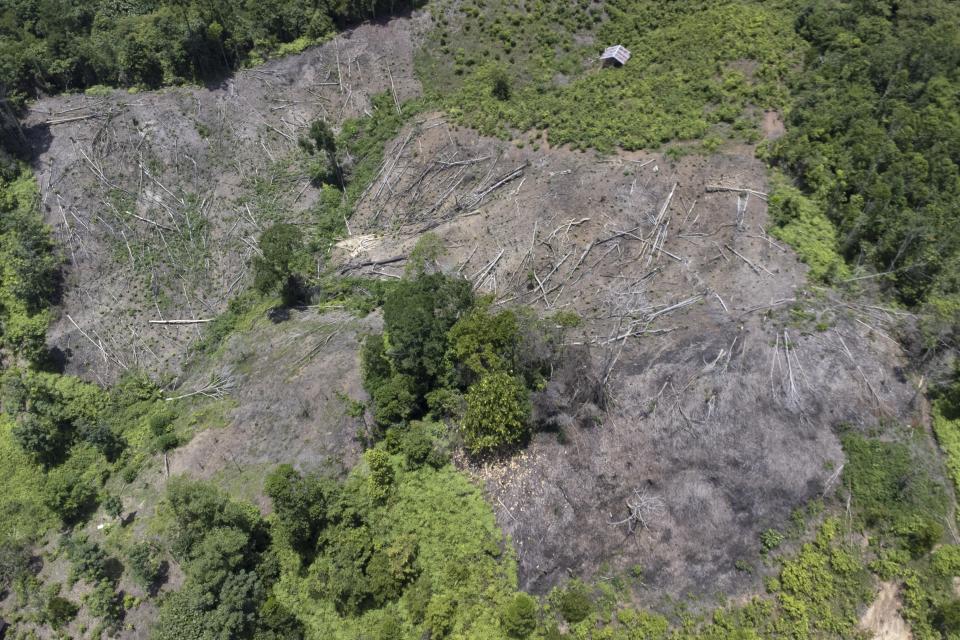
(276, 270)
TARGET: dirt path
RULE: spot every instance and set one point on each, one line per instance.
(883, 618)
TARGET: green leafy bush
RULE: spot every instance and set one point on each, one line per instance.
(60, 611)
(87, 560)
(481, 343)
(687, 56)
(879, 149)
(575, 603)
(429, 550)
(146, 565)
(277, 269)
(519, 619)
(221, 545)
(770, 540)
(801, 222)
(150, 45)
(417, 314)
(381, 476)
(71, 491)
(498, 410)
(889, 485)
(105, 603)
(302, 505)
(395, 400)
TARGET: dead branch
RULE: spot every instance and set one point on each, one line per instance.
(477, 198)
(767, 306)
(74, 119)
(482, 275)
(370, 263)
(753, 192)
(757, 268)
(644, 510)
(97, 344)
(216, 388)
(185, 321)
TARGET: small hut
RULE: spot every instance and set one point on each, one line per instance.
(617, 55)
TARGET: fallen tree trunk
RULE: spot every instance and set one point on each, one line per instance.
(370, 263)
(185, 321)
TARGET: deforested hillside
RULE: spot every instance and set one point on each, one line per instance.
(351, 320)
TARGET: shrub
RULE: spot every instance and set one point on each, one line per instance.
(391, 568)
(500, 85)
(519, 619)
(381, 476)
(575, 603)
(103, 602)
(60, 611)
(947, 618)
(946, 560)
(374, 366)
(14, 562)
(199, 508)
(921, 535)
(101, 436)
(416, 445)
(301, 504)
(220, 544)
(44, 441)
(68, 494)
(417, 314)
(892, 487)
(479, 343)
(276, 270)
(439, 616)
(395, 400)
(800, 221)
(445, 402)
(276, 622)
(112, 505)
(425, 254)
(770, 540)
(88, 560)
(498, 408)
(145, 565)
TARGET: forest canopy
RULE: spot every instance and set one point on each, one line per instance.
(50, 46)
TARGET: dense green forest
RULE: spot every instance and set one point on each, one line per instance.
(873, 138)
(49, 46)
(404, 546)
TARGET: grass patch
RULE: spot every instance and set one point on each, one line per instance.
(25, 515)
(801, 222)
(947, 432)
(242, 311)
(894, 489)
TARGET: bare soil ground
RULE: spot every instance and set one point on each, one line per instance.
(724, 390)
(883, 618)
(725, 372)
(292, 385)
(157, 198)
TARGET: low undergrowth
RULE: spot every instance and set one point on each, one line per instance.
(696, 68)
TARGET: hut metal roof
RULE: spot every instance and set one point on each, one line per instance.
(617, 52)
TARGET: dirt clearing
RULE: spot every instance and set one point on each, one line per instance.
(726, 373)
(157, 198)
(883, 618)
